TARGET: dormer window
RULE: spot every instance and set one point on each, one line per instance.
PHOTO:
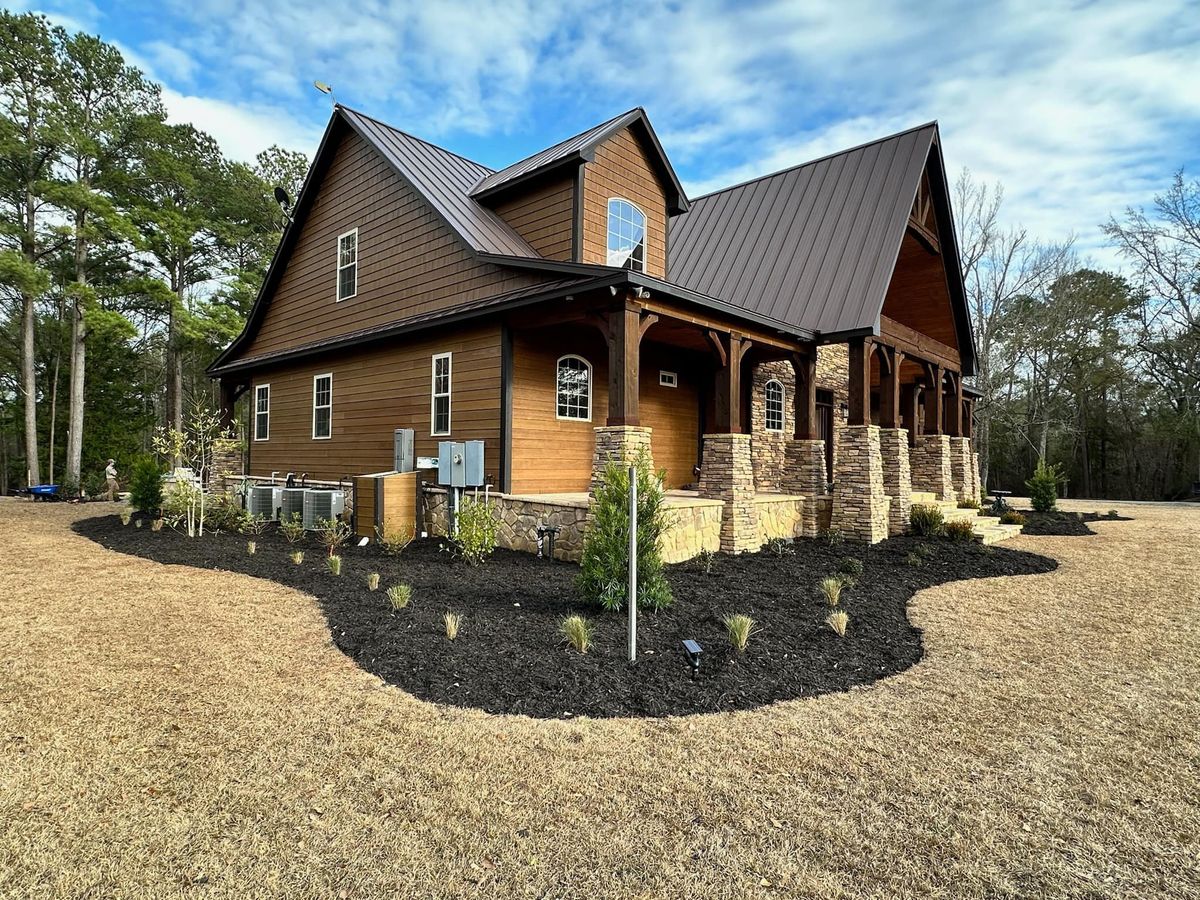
(347, 265)
(626, 235)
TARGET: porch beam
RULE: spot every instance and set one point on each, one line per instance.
(890, 405)
(860, 381)
(804, 398)
(917, 345)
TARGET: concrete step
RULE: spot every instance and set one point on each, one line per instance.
(923, 497)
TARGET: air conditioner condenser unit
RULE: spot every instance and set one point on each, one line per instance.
(264, 501)
(322, 505)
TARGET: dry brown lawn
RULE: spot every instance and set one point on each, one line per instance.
(167, 731)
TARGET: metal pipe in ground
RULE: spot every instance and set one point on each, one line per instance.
(632, 595)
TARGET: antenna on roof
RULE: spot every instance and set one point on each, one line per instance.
(325, 89)
(285, 203)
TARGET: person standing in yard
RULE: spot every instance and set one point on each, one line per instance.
(110, 476)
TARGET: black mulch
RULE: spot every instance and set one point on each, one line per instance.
(510, 658)
(1064, 524)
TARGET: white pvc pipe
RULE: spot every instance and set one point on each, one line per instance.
(632, 597)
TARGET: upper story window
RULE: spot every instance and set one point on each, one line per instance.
(347, 265)
(774, 405)
(262, 412)
(323, 406)
(439, 407)
(573, 393)
(626, 235)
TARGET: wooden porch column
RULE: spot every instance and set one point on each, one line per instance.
(624, 346)
(731, 350)
(934, 398)
(804, 398)
(890, 404)
(910, 403)
(860, 382)
(954, 408)
(968, 429)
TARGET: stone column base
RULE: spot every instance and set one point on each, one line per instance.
(860, 504)
(960, 468)
(804, 473)
(978, 482)
(618, 443)
(225, 464)
(897, 477)
(931, 466)
(727, 474)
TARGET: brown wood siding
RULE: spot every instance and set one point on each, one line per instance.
(375, 391)
(409, 261)
(622, 169)
(551, 455)
(917, 295)
(544, 216)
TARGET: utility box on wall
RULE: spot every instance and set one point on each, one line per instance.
(403, 450)
(460, 464)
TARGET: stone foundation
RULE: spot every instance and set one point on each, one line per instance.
(897, 477)
(931, 466)
(804, 474)
(622, 443)
(860, 503)
(727, 474)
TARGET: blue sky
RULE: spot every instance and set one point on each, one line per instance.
(1078, 109)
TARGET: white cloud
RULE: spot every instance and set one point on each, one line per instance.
(242, 130)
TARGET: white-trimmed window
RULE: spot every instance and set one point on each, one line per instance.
(347, 265)
(439, 406)
(668, 379)
(626, 235)
(262, 412)
(773, 403)
(323, 406)
(573, 389)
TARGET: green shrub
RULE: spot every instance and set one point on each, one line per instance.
(781, 546)
(1043, 487)
(222, 512)
(831, 590)
(399, 595)
(475, 535)
(145, 485)
(959, 530)
(94, 484)
(968, 504)
(394, 540)
(925, 550)
(706, 560)
(739, 627)
(1012, 517)
(926, 519)
(833, 536)
(254, 524)
(292, 527)
(603, 572)
(914, 560)
(851, 565)
(578, 631)
(333, 533)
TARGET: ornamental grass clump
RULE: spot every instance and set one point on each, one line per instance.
(578, 632)
(292, 527)
(475, 530)
(296, 556)
(838, 620)
(399, 595)
(373, 581)
(603, 570)
(926, 519)
(914, 560)
(739, 627)
(452, 621)
(156, 525)
(831, 590)
(251, 547)
(334, 564)
(126, 515)
(1043, 487)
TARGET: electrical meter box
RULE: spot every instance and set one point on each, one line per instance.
(460, 464)
(403, 450)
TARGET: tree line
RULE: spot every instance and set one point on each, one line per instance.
(131, 250)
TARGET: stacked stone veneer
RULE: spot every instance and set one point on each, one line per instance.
(779, 516)
(620, 443)
(960, 468)
(727, 474)
(693, 525)
(860, 502)
(897, 477)
(980, 493)
(768, 448)
(225, 463)
(804, 474)
(932, 468)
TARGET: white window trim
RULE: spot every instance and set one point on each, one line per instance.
(257, 388)
(316, 378)
(449, 395)
(337, 259)
(782, 407)
(645, 231)
(668, 379)
(591, 383)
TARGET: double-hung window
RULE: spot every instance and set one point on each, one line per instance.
(626, 235)
(262, 412)
(347, 265)
(773, 402)
(323, 406)
(439, 407)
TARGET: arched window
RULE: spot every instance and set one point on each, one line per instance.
(573, 391)
(774, 405)
(626, 235)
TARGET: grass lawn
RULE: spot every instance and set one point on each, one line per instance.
(169, 731)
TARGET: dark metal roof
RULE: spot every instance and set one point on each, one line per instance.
(582, 148)
(813, 246)
(445, 180)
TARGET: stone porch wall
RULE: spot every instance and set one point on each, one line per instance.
(779, 516)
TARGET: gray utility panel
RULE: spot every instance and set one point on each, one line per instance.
(403, 448)
(460, 463)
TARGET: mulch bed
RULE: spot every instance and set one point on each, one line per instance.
(1064, 524)
(510, 658)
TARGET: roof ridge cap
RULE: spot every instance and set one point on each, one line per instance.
(409, 134)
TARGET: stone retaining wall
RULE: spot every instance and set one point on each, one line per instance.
(780, 516)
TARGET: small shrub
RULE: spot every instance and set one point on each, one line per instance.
(968, 504)
(156, 525)
(452, 621)
(960, 530)
(251, 547)
(145, 485)
(475, 537)
(831, 590)
(1012, 517)
(138, 524)
(126, 515)
(333, 533)
(706, 560)
(838, 620)
(394, 540)
(373, 581)
(223, 513)
(255, 525)
(399, 595)
(296, 556)
(847, 581)
(578, 632)
(292, 527)
(926, 519)
(781, 546)
(1043, 487)
(914, 560)
(851, 565)
(1113, 514)
(739, 627)
(925, 550)
(334, 564)
(834, 536)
